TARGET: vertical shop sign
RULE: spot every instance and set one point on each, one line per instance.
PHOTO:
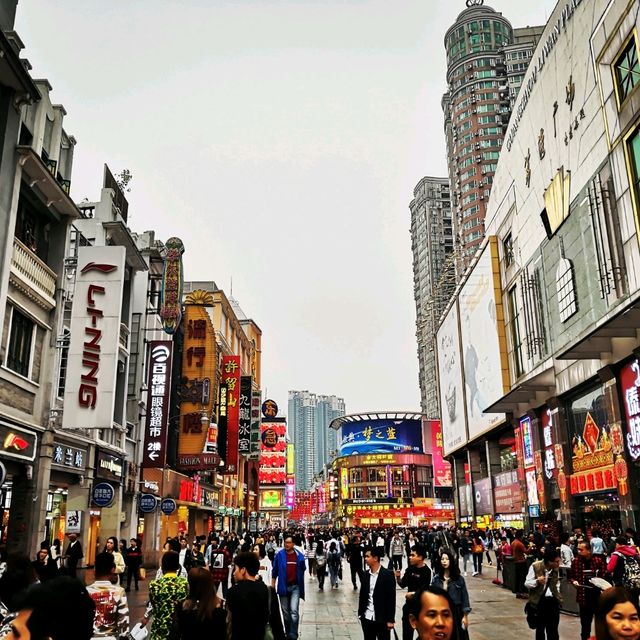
(244, 416)
(527, 441)
(441, 468)
(630, 385)
(172, 284)
(546, 422)
(231, 378)
(159, 387)
(255, 425)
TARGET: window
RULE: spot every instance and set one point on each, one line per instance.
(627, 70)
(507, 245)
(20, 341)
(515, 332)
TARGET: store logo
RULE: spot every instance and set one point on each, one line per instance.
(102, 268)
(160, 353)
(12, 441)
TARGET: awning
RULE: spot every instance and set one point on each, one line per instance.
(619, 324)
(532, 392)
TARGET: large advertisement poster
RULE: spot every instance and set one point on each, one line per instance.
(441, 468)
(481, 325)
(454, 433)
(273, 453)
(90, 390)
(381, 436)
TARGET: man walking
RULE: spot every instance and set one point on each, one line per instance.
(133, 560)
(543, 582)
(218, 560)
(417, 576)
(288, 571)
(377, 603)
(354, 558)
(520, 561)
(248, 599)
(395, 551)
(584, 567)
(73, 554)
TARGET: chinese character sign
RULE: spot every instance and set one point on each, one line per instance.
(630, 385)
(527, 442)
(231, 379)
(441, 468)
(172, 284)
(244, 416)
(290, 492)
(273, 454)
(159, 386)
(381, 436)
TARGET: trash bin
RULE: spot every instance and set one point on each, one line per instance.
(509, 573)
(568, 593)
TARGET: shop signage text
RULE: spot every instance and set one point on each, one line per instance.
(244, 416)
(109, 466)
(69, 457)
(102, 494)
(147, 503)
(231, 379)
(168, 506)
(17, 442)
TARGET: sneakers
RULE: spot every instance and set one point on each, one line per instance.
(474, 574)
(355, 588)
(465, 574)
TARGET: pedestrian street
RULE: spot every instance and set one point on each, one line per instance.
(331, 614)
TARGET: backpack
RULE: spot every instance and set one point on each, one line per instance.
(321, 560)
(630, 572)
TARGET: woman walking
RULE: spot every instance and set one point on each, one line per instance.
(447, 576)
(310, 554)
(477, 550)
(111, 547)
(321, 564)
(333, 562)
(202, 613)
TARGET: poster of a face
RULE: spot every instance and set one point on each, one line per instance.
(481, 347)
(454, 433)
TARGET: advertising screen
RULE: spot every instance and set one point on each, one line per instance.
(381, 436)
(441, 468)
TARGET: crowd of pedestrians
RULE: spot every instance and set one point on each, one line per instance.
(250, 586)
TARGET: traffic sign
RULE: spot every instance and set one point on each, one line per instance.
(147, 503)
(103, 494)
(168, 506)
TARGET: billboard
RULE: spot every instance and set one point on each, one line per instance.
(90, 390)
(454, 433)
(196, 392)
(273, 453)
(441, 468)
(158, 389)
(231, 379)
(486, 372)
(383, 435)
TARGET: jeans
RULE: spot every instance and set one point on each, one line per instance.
(587, 611)
(321, 572)
(132, 573)
(477, 562)
(333, 574)
(396, 562)
(290, 605)
(312, 566)
(465, 561)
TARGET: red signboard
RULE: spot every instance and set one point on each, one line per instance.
(273, 453)
(441, 468)
(159, 387)
(630, 388)
(231, 378)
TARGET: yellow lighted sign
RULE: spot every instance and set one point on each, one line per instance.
(344, 483)
(291, 459)
(270, 499)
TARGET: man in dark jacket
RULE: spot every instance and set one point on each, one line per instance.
(584, 567)
(73, 554)
(354, 557)
(133, 560)
(288, 571)
(377, 603)
(417, 576)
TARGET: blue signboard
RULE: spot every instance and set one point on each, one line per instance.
(381, 436)
(168, 506)
(103, 494)
(147, 503)
(534, 510)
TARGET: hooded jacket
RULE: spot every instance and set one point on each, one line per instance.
(279, 571)
(615, 566)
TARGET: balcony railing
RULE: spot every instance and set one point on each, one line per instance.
(35, 272)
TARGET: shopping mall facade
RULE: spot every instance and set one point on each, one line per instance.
(389, 471)
(538, 351)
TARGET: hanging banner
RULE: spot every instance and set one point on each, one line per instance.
(244, 416)
(441, 468)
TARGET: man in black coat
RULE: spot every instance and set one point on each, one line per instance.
(73, 554)
(377, 603)
(354, 557)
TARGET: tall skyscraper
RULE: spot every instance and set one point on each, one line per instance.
(315, 444)
(486, 61)
(432, 247)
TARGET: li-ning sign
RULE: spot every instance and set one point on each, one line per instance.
(95, 338)
(158, 389)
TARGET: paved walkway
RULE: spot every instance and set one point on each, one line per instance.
(331, 614)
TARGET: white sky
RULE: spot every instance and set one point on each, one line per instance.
(282, 142)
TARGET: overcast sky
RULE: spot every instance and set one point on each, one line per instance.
(282, 142)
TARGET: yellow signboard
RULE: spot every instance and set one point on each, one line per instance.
(291, 459)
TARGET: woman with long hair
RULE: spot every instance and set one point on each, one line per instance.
(446, 575)
(265, 563)
(202, 613)
(321, 564)
(477, 551)
(111, 546)
(617, 615)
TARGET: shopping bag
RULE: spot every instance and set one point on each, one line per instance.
(138, 633)
(142, 574)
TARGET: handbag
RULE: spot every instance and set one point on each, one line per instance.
(142, 573)
(477, 548)
(531, 612)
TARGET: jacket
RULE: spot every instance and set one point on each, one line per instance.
(397, 547)
(384, 596)
(457, 589)
(279, 569)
